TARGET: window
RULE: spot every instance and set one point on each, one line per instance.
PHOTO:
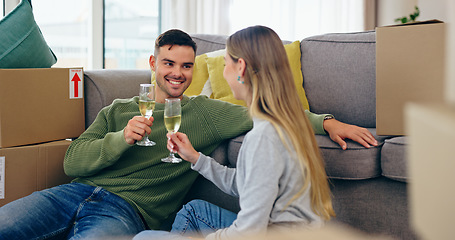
(65, 27)
(74, 31)
(130, 32)
(120, 34)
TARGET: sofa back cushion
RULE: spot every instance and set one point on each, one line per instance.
(339, 76)
(208, 76)
(101, 87)
(209, 42)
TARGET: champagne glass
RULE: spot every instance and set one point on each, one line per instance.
(146, 107)
(172, 120)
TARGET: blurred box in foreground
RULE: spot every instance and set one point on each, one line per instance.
(431, 129)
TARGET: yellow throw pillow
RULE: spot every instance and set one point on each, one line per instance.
(294, 56)
(220, 87)
(200, 76)
(222, 91)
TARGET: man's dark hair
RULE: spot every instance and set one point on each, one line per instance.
(174, 37)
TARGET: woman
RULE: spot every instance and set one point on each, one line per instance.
(280, 177)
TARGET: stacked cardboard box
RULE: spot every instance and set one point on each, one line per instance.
(39, 109)
(26, 169)
(409, 68)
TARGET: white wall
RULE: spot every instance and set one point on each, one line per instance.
(443, 10)
(433, 9)
(389, 10)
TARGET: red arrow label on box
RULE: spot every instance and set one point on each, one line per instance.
(76, 83)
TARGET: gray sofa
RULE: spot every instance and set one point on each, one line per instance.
(369, 185)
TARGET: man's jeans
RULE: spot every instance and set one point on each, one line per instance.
(197, 218)
(70, 211)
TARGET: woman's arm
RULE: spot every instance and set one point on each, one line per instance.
(259, 168)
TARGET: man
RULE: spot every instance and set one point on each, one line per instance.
(120, 188)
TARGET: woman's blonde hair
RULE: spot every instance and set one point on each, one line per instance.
(274, 98)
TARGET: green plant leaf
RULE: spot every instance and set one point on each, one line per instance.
(412, 17)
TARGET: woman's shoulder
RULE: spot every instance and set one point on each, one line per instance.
(263, 126)
(263, 129)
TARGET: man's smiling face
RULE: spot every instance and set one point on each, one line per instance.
(173, 68)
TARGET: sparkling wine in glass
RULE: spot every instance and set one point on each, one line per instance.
(146, 107)
(172, 120)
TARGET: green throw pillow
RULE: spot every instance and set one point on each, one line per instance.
(21, 43)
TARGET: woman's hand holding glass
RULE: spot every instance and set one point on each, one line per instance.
(178, 142)
(172, 120)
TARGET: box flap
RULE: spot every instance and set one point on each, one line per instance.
(433, 21)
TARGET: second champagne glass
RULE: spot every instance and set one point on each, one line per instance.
(172, 120)
(146, 107)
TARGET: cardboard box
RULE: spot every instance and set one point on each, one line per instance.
(40, 105)
(26, 169)
(409, 68)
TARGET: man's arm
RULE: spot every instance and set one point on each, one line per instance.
(107, 138)
(94, 150)
(229, 120)
(339, 131)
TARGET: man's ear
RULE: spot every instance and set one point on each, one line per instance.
(152, 62)
(241, 66)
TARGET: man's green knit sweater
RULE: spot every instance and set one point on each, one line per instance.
(101, 157)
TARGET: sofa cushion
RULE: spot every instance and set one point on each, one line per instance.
(21, 43)
(393, 158)
(354, 163)
(101, 87)
(233, 150)
(339, 76)
(208, 42)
